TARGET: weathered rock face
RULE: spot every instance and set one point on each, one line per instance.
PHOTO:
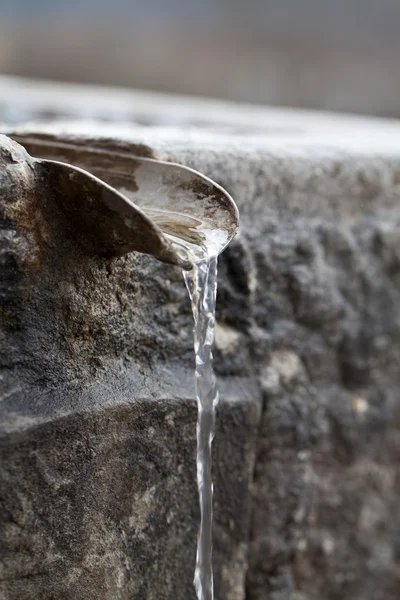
(98, 414)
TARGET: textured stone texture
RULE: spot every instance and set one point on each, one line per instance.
(98, 413)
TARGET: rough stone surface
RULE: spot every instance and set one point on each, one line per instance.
(98, 416)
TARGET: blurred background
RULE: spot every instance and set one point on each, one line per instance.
(340, 55)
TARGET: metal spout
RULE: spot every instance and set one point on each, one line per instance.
(116, 202)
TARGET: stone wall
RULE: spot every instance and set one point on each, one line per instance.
(98, 496)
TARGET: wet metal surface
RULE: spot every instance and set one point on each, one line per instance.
(122, 202)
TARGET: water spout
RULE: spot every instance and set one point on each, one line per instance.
(118, 203)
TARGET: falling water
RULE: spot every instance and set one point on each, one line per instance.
(201, 282)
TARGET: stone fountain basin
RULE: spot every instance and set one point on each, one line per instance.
(97, 404)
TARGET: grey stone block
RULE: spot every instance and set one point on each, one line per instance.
(98, 412)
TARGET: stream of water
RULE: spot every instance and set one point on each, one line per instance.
(201, 282)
